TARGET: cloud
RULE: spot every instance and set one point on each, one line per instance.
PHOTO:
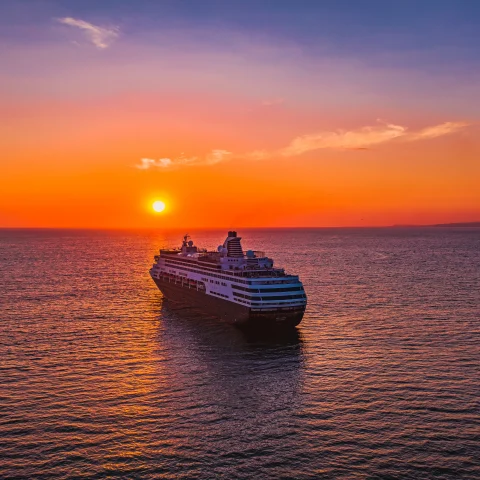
(343, 139)
(215, 156)
(101, 37)
(358, 139)
(438, 130)
(146, 163)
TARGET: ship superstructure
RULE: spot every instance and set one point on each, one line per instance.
(243, 288)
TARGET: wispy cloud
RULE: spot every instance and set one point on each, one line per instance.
(101, 37)
(146, 163)
(358, 139)
(215, 156)
(437, 130)
(365, 137)
(343, 139)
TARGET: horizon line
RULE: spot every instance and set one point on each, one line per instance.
(448, 224)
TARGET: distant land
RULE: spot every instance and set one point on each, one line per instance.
(464, 224)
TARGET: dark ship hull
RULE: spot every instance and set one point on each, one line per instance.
(239, 315)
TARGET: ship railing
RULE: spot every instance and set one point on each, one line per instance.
(267, 273)
(264, 273)
(206, 255)
(211, 257)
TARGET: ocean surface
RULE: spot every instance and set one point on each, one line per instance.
(100, 377)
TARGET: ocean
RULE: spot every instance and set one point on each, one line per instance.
(100, 377)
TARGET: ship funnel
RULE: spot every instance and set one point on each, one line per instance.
(233, 245)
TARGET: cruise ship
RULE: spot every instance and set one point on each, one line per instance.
(242, 288)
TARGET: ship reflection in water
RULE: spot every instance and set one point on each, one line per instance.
(103, 377)
(227, 396)
(243, 374)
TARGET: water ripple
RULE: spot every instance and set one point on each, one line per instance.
(100, 377)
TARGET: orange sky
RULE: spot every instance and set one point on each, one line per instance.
(249, 143)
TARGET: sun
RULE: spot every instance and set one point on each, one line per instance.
(158, 206)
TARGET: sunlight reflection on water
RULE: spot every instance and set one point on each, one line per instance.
(101, 377)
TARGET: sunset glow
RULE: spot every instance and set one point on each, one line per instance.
(158, 206)
(239, 239)
(239, 120)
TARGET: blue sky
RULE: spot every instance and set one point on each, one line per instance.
(381, 47)
(361, 27)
